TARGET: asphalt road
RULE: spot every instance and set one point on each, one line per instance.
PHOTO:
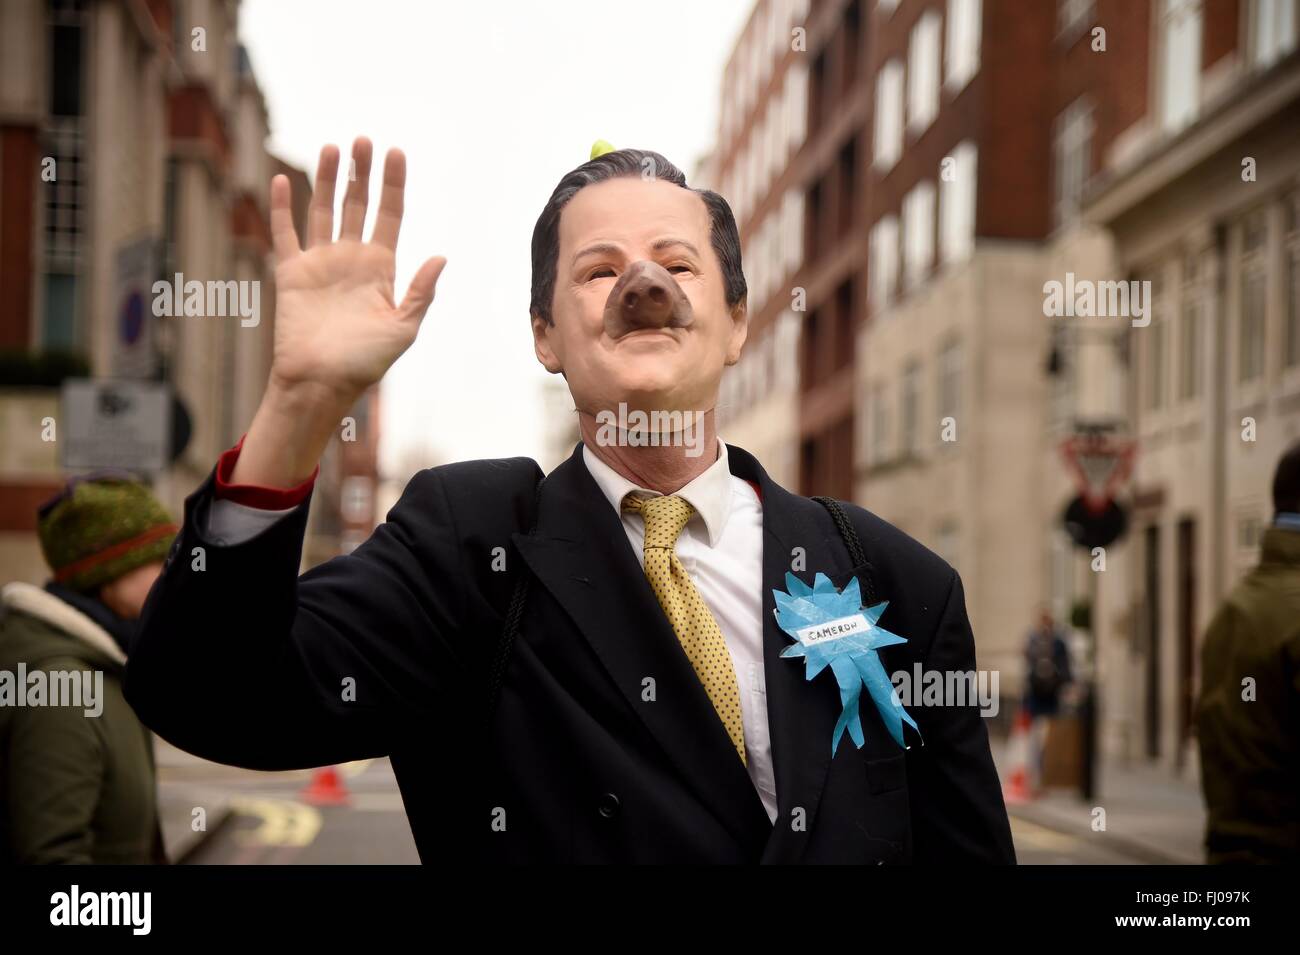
(275, 824)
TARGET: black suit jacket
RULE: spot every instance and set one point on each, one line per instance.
(385, 652)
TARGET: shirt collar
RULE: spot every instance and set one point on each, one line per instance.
(709, 493)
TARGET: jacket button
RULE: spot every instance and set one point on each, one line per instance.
(609, 806)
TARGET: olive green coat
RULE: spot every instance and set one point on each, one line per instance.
(74, 788)
(1248, 713)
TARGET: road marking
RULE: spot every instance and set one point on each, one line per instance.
(284, 822)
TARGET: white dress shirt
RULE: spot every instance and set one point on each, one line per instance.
(722, 551)
(721, 548)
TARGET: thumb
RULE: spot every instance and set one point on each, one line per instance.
(419, 295)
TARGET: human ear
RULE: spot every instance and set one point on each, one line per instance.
(542, 345)
(739, 331)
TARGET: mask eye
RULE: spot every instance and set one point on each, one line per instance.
(679, 268)
(604, 272)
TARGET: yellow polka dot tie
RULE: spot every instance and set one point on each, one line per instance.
(691, 619)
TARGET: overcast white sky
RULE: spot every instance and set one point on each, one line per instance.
(492, 103)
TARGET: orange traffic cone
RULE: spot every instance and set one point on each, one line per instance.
(326, 788)
(1017, 788)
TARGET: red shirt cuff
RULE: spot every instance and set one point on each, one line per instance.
(252, 495)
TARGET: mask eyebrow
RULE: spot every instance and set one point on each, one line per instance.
(608, 248)
(668, 242)
(598, 248)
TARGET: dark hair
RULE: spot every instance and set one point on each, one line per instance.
(1286, 481)
(724, 236)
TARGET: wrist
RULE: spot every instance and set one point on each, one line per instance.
(288, 435)
(310, 400)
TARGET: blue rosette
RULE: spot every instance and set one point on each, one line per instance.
(832, 629)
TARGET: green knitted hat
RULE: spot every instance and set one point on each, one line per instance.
(101, 527)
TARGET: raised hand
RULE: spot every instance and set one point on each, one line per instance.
(338, 326)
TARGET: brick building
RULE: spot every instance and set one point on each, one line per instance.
(956, 157)
(132, 143)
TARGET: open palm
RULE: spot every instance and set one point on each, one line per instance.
(338, 325)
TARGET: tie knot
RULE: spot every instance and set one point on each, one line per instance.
(664, 518)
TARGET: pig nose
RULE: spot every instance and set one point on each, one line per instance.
(653, 291)
(646, 296)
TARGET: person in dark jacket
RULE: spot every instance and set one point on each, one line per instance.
(1248, 711)
(76, 765)
(1047, 677)
(1047, 667)
(585, 668)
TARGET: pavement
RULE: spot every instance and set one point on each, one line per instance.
(186, 785)
(1149, 815)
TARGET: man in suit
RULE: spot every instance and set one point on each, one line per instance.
(583, 668)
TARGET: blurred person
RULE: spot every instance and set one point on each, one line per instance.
(1047, 667)
(582, 667)
(1248, 710)
(1048, 683)
(76, 771)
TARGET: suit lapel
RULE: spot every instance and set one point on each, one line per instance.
(581, 555)
(801, 714)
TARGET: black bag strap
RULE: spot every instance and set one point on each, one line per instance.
(514, 613)
(851, 543)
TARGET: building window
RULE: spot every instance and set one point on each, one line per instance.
(1180, 62)
(1254, 285)
(63, 140)
(949, 386)
(792, 227)
(796, 105)
(886, 7)
(918, 234)
(810, 373)
(923, 72)
(957, 190)
(819, 94)
(879, 412)
(1272, 31)
(1192, 336)
(889, 115)
(1250, 359)
(813, 220)
(852, 27)
(882, 265)
(1157, 351)
(846, 325)
(1292, 354)
(910, 410)
(961, 55)
(848, 187)
(1072, 155)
